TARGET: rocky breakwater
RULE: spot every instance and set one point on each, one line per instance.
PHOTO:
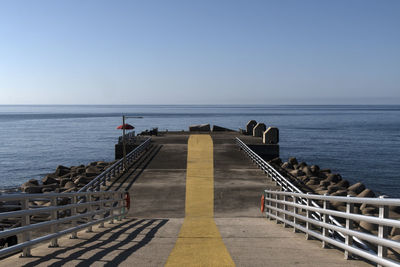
(66, 179)
(313, 179)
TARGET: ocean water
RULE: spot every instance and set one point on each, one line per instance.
(362, 143)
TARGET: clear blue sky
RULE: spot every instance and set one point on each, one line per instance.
(199, 52)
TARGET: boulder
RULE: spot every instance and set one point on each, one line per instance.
(102, 164)
(357, 188)
(34, 189)
(47, 190)
(49, 179)
(368, 227)
(333, 189)
(199, 128)
(341, 193)
(307, 170)
(334, 178)
(287, 165)
(271, 136)
(314, 169)
(343, 183)
(64, 181)
(276, 161)
(92, 171)
(297, 173)
(312, 182)
(69, 185)
(369, 210)
(94, 163)
(62, 170)
(250, 126)
(301, 165)
(259, 129)
(324, 183)
(325, 170)
(82, 180)
(366, 193)
(395, 231)
(293, 161)
(33, 181)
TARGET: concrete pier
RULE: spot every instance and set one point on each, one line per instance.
(195, 202)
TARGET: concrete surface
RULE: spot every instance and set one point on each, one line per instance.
(157, 184)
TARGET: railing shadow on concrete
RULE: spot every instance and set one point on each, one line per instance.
(352, 240)
(116, 169)
(64, 215)
(285, 207)
(120, 237)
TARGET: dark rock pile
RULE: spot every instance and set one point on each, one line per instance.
(313, 179)
(66, 179)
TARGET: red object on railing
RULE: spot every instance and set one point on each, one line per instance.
(262, 203)
(127, 200)
(126, 126)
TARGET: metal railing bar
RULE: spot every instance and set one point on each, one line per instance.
(32, 242)
(356, 251)
(364, 236)
(19, 213)
(286, 184)
(46, 196)
(14, 231)
(371, 201)
(352, 216)
(96, 181)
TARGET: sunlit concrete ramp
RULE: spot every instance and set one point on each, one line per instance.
(195, 202)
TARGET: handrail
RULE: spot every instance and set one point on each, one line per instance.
(114, 169)
(97, 207)
(95, 203)
(276, 204)
(286, 185)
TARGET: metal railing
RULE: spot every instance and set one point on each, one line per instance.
(287, 186)
(285, 207)
(129, 138)
(115, 169)
(64, 215)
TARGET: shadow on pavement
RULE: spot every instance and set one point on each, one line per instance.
(129, 230)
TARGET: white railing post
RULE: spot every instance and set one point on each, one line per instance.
(53, 217)
(324, 220)
(25, 221)
(383, 229)
(74, 235)
(308, 217)
(121, 206)
(119, 217)
(101, 206)
(89, 210)
(111, 206)
(349, 226)
(295, 211)
(284, 209)
(276, 207)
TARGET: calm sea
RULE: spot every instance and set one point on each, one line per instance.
(362, 143)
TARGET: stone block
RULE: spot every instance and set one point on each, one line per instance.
(259, 129)
(271, 136)
(217, 128)
(200, 128)
(250, 126)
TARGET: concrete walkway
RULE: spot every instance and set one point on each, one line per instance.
(150, 232)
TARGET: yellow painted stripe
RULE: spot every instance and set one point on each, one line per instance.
(199, 242)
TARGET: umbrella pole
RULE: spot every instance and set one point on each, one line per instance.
(123, 142)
